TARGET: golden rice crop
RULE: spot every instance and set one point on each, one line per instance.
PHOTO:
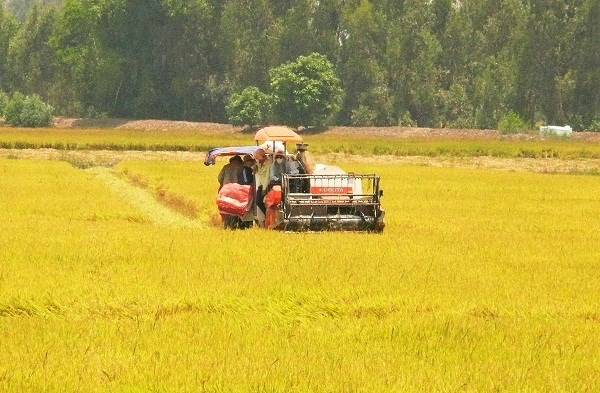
(482, 280)
(114, 139)
(191, 180)
(204, 139)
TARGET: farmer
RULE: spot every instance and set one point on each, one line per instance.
(306, 163)
(278, 167)
(303, 165)
(230, 172)
(261, 177)
(246, 175)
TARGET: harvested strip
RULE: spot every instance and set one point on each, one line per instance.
(143, 201)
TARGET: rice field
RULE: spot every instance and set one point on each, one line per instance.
(482, 280)
(200, 140)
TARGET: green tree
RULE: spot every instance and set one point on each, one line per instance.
(424, 79)
(297, 35)
(280, 8)
(8, 28)
(34, 113)
(21, 8)
(88, 75)
(549, 49)
(187, 62)
(13, 108)
(586, 67)
(441, 13)
(482, 46)
(439, 62)
(367, 99)
(249, 107)
(130, 29)
(457, 109)
(3, 102)
(167, 65)
(511, 122)
(249, 42)
(306, 91)
(413, 57)
(495, 81)
(31, 58)
(326, 21)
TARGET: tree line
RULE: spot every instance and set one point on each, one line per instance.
(437, 63)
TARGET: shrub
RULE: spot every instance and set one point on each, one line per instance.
(363, 116)
(28, 111)
(406, 121)
(36, 113)
(249, 107)
(13, 109)
(594, 126)
(511, 123)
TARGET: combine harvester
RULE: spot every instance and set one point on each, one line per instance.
(326, 199)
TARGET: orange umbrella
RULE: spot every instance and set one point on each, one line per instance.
(277, 133)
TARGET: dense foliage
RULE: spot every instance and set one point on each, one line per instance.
(3, 102)
(511, 123)
(25, 111)
(249, 107)
(433, 63)
(306, 91)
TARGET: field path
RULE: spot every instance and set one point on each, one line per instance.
(143, 201)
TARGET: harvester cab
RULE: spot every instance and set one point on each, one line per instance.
(312, 198)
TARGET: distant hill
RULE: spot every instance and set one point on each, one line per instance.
(20, 8)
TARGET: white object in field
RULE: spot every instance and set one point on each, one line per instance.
(336, 184)
(323, 169)
(326, 185)
(556, 130)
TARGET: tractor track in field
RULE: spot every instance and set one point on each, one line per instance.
(143, 201)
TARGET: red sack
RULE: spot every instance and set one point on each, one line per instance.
(272, 201)
(273, 197)
(235, 199)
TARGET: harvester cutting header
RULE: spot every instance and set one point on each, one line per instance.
(267, 185)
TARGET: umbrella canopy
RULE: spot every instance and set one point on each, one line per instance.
(277, 133)
(227, 151)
